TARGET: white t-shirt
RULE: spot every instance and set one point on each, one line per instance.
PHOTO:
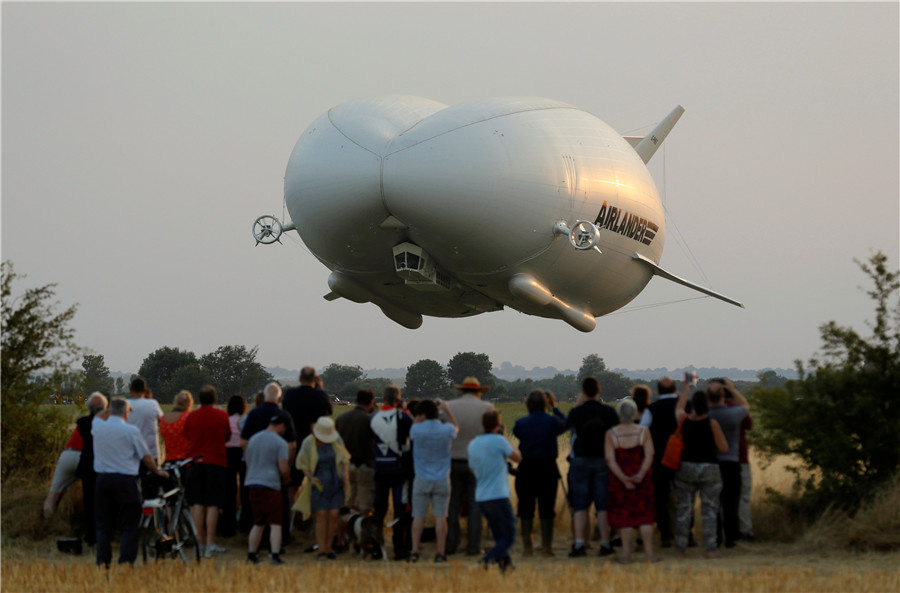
(145, 415)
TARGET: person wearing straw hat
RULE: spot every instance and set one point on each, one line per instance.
(324, 461)
(468, 409)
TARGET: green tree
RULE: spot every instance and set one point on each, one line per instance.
(470, 364)
(612, 385)
(377, 385)
(336, 377)
(591, 366)
(563, 386)
(36, 356)
(192, 377)
(426, 379)
(159, 367)
(841, 417)
(235, 370)
(96, 374)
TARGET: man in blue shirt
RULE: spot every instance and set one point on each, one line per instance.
(537, 476)
(432, 440)
(119, 450)
(267, 470)
(487, 458)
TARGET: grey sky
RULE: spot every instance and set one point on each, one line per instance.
(140, 141)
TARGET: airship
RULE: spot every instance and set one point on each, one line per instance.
(427, 209)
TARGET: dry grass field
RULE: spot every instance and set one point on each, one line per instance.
(837, 554)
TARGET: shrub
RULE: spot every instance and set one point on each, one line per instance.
(841, 417)
(37, 352)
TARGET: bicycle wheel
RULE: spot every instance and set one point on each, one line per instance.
(186, 540)
(150, 537)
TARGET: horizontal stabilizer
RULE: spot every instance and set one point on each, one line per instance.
(646, 148)
(668, 276)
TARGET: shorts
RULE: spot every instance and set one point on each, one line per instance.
(588, 482)
(205, 485)
(64, 474)
(267, 506)
(437, 493)
(362, 487)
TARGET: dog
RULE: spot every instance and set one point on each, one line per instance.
(365, 533)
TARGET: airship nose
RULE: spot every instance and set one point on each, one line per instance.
(333, 179)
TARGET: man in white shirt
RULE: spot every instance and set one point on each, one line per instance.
(145, 415)
(118, 452)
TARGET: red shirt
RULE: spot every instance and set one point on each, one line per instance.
(177, 446)
(207, 429)
(75, 442)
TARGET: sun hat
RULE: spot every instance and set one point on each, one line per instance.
(472, 384)
(324, 430)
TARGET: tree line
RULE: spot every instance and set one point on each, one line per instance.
(428, 378)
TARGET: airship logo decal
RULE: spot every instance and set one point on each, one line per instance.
(626, 224)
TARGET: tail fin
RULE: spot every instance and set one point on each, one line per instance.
(647, 146)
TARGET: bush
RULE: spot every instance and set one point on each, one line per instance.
(37, 352)
(841, 417)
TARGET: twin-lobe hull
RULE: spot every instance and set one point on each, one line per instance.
(472, 194)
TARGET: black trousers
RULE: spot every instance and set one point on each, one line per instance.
(236, 469)
(118, 503)
(88, 485)
(462, 489)
(662, 489)
(728, 523)
(537, 481)
(390, 484)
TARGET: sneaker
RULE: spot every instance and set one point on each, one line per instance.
(252, 559)
(413, 557)
(605, 551)
(331, 556)
(440, 558)
(216, 549)
(207, 553)
(577, 552)
(276, 560)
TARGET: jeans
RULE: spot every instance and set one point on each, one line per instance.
(502, 522)
(589, 478)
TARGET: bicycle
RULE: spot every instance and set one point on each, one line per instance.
(167, 528)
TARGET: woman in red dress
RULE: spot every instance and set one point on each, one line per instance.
(629, 454)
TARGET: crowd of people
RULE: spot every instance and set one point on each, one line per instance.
(286, 463)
